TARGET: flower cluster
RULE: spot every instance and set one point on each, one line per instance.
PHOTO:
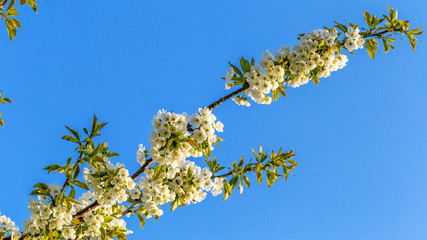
(47, 216)
(353, 39)
(110, 183)
(7, 226)
(316, 56)
(104, 216)
(182, 184)
(173, 140)
(111, 186)
(262, 83)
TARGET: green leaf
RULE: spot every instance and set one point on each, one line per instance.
(75, 133)
(293, 162)
(258, 173)
(52, 168)
(271, 178)
(416, 30)
(112, 154)
(253, 62)
(174, 204)
(370, 47)
(141, 219)
(241, 162)
(103, 233)
(236, 69)
(72, 193)
(412, 40)
(246, 66)
(246, 180)
(240, 187)
(392, 13)
(227, 190)
(70, 138)
(316, 79)
(280, 89)
(72, 200)
(16, 22)
(43, 186)
(80, 184)
(11, 28)
(76, 172)
(340, 26)
(191, 141)
(386, 47)
(368, 18)
(234, 181)
(11, 5)
(32, 4)
(108, 219)
(39, 192)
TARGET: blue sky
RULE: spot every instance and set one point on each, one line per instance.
(360, 135)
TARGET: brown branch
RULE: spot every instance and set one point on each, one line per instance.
(87, 209)
(224, 175)
(67, 181)
(223, 99)
(142, 169)
(382, 32)
(129, 209)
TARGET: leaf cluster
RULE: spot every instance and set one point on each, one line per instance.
(272, 166)
(9, 14)
(88, 153)
(4, 101)
(376, 34)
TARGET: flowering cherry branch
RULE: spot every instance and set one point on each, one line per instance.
(149, 161)
(166, 175)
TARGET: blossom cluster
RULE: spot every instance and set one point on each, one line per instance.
(261, 83)
(104, 216)
(183, 183)
(315, 56)
(118, 186)
(47, 216)
(110, 185)
(173, 140)
(176, 137)
(7, 226)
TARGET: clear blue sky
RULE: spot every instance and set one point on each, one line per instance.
(360, 136)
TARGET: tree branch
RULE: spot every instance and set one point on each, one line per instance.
(142, 169)
(223, 99)
(149, 161)
(382, 32)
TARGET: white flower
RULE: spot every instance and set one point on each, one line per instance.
(140, 154)
(199, 136)
(230, 74)
(55, 189)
